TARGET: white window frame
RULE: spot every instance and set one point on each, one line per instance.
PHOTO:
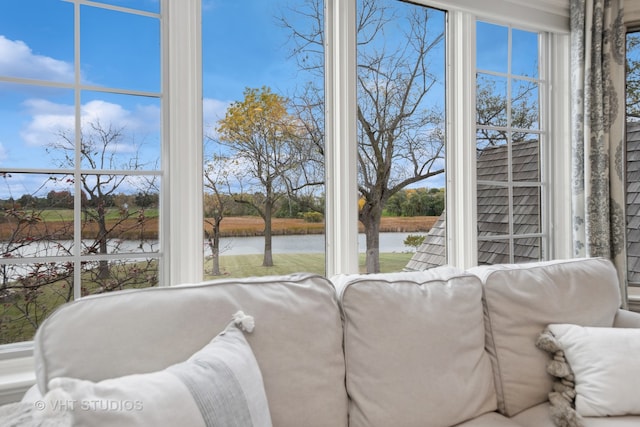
(341, 185)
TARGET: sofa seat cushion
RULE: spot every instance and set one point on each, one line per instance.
(297, 340)
(521, 300)
(414, 349)
(540, 416)
(492, 419)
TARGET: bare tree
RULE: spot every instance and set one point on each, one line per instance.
(491, 111)
(39, 226)
(98, 150)
(400, 131)
(216, 183)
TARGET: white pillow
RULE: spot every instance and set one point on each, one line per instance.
(219, 385)
(606, 366)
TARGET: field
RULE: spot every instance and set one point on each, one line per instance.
(59, 223)
(254, 226)
(251, 265)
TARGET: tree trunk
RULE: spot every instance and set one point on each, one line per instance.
(370, 217)
(268, 251)
(103, 268)
(372, 234)
(214, 244)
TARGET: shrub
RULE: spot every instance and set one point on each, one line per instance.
(312, 217)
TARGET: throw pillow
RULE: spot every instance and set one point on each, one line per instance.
(601, 365)
(219, 385)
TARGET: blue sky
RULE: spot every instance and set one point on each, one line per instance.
(117, 51)
(243, 46)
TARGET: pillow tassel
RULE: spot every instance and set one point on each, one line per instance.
(562, 398)
(244, 321)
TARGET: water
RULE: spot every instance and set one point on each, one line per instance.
(310, 243)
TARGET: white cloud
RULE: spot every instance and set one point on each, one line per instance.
(17, 59)
(50, 120)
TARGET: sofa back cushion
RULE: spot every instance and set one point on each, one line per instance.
(521, 300)
(297, 340)
(414, 349)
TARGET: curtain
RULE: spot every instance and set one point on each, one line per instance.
(598, 116)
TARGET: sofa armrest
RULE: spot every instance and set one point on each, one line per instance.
(626, 319)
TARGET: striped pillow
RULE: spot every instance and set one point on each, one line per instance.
(219, 385)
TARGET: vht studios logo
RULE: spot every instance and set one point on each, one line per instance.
(98, 405)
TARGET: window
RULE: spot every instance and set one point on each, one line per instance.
(80, 144)
(401, 112)
(509, 141)
(633, 159)
(263, 120)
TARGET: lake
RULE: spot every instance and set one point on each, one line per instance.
(309, 243)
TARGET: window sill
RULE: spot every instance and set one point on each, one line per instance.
(17, 375)
(634, 298)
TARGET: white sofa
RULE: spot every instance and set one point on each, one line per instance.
(419, 349)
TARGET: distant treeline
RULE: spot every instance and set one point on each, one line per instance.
(416, 202)
(408, 202)
(64, 200)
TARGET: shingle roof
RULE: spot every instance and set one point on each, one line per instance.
(633, 201)
(492, 210)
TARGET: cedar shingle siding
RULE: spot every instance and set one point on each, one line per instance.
(633, 201)
(492, 209)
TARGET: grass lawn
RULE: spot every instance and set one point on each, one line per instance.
(251, 265)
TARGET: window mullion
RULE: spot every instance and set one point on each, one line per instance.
(340, 138)
(182, 142)
(462, 248)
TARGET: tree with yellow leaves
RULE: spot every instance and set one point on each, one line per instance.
(267, 142)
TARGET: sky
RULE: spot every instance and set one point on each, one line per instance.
(243, 46)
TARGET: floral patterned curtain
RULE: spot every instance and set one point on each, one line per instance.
(598, 115)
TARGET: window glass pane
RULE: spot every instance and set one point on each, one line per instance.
(524, 104)
(120, 50)
(401, 138)
(492, 162)
(525, 152)
(524, 56)
(119, 132)
(527, 250)
(32, 118)
(29, 293)
(493, 251)
(493, 210)
(115, 275)
(119, 214)
(526, 210)
(36, 215)
(263, 86)
(492, 48)
(37, 45)
(491, 100)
